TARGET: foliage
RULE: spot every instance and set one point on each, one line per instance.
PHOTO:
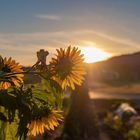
(34, 109)
(114, 122)
(134, 132)
(117, 128)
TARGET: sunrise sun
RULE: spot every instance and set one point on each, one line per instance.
(93, 54)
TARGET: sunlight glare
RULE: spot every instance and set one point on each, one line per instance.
(93, 54)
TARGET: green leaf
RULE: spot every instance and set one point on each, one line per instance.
(55, 90)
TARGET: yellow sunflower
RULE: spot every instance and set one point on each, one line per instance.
(48, 122)
(11, 67)
(68, 67)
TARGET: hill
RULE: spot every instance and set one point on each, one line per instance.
(118, 70)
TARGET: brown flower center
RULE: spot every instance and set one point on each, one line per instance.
(6, 69)
(64, 67)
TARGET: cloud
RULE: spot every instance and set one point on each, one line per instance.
(23, 46)
(61, 38)
(48, 17)
(124, 41)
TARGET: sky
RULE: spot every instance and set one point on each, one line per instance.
(27, 26)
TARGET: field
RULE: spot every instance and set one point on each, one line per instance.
(92, 109)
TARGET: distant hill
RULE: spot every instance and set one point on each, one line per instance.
(118, 70)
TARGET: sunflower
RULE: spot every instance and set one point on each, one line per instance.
(49, 122)
(9, 78)
(68, 67)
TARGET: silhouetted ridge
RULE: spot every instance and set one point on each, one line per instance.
(123, 69)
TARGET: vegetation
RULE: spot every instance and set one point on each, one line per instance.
(34, 109)
(32, 101)
(115, 127)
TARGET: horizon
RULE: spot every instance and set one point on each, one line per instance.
(89, 63)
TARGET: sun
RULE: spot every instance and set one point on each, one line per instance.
(93, 54)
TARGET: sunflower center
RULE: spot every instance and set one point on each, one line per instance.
(6, 69)
(64, 67)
